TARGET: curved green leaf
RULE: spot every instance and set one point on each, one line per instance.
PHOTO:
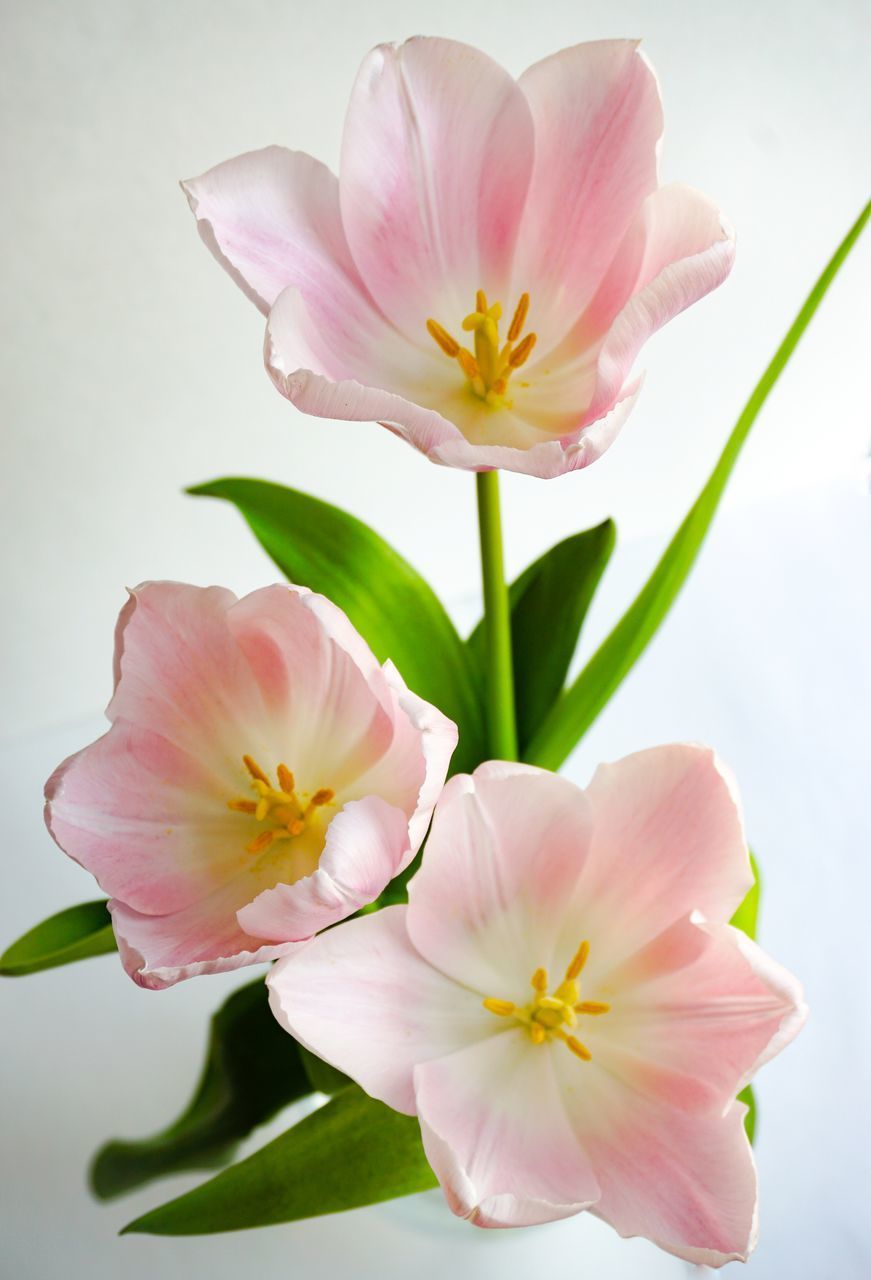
(748, 1097)
(573, 714)
(746, 918)
(353, 1151)
(390, 604)
(323, 1077)
(549, 602)
(253, 1068)
(74, 934)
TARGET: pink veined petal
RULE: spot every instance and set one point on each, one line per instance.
(505, 853)
(694, 1015)
(598, 119)
(361, 998)
(367, 844)
(685, 1180)
(668, 839)
(678, 249)
(160, 950)
(435, 165)
(497, 1136)
(147, 820)
(325, 720)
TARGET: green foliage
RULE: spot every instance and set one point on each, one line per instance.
(318, 546)
(549, 602)
(353, 1151)
(748, 1097)
(73, 934)
(322, 1077)
(746, 918)
(573, 714)
(253, 1068)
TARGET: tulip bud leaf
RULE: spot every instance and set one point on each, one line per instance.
(74, 934)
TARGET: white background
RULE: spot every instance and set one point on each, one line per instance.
(131, 367)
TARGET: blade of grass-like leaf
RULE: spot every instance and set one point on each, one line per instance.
(253, 1068)
(353, 1151)
(613, 660)
(549, 602)
(74, 934)
(746, 918)
(395, 610)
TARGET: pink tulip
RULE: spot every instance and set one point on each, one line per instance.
(263, 777)
(492, 258)
(563, 1003)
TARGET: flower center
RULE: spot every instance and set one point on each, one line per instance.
(285, 814)
(489, 370)
(547, 1016)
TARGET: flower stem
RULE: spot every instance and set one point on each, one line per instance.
(501, 722)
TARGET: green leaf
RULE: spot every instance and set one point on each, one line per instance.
(390, 604)
(322, 1077)
(747, 916)
(253, 1068)
(573, 714)
(353, 1151)
(73, 934)
(549, 602)
(748, 1097)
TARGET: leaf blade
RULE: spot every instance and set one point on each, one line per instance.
(613, 660)
(390, 604)
(351, 1152)
(76, 933)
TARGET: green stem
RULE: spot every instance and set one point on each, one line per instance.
(501, 721)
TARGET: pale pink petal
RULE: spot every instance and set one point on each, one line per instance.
(684, 1180)
(323, 717)
(598, 120)
(367, 844)
(505, 853)
(361, 998)
(160, 950)
(149, 821)
(692, 1029)
(679, 248)
(436, 158)
(497, 1136)
(668, 839)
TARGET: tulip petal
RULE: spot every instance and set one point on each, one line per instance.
(361, 998)
(668, 840)
(695, 1014)
(598, 119)
(160, 950)
(367, 844)
(503, 859)
(435, 165)
(497, 1136)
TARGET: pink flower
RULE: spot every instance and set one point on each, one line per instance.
(562, 1003)
(495, 253)
(263, 777)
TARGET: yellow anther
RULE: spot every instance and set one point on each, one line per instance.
(537, 1033)
(580, 1050)
(519, 318)
(324, 795)
(593, 1007)
(261, 842)
(522, 351)
(242, 806)
(580, 959)
(468, 364)
(254, 769)
(539, 980)
(502, 1008)
(449, 345)
(286, 780)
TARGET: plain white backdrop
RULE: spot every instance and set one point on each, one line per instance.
(131, 367)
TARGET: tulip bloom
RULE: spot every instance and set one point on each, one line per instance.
(485, 270)
(263, 777)
(563, 1003)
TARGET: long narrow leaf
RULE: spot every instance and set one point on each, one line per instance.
(549, 602)
(353, 1151)
(610, 664)
(74, 934)
(746, 918)
(318, 546)
(252, 1069)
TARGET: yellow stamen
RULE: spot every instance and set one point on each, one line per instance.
(519, 318)
(261, 842)
(449, 345)
(580, 959)
(279, 805)
(522, 351)
(539, 980)
(324, 795)
(468, 364)
(242, 806)
(579, 1049)
(594, 1007)
(481, 300)
(502, 1008)
(286, 780)
(254, 769)
(537, 1033)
